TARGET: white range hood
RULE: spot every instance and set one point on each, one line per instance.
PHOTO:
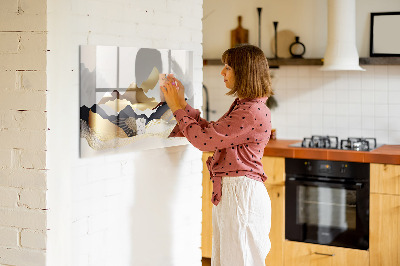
(341, 51)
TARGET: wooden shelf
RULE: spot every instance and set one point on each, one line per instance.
(380, 61)
(274, 63)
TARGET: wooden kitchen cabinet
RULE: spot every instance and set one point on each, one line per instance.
(384, 236)
(277, 233)
(206, 225)
(385, 178)
(385, 215)
(305, 254)
(274, 168)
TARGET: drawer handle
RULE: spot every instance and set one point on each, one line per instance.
(324, 254)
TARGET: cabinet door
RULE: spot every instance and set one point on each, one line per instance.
(277, 233)
(385, 178)
(384, 230)
(274, 168)
(206, 232)
(304, 254)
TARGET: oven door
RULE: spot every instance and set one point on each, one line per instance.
(327, 213)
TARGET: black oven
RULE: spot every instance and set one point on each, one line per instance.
(327, 202)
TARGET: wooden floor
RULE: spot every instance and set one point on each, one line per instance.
(206, 261)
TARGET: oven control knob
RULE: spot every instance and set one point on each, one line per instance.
(343, 168)
(308, 166)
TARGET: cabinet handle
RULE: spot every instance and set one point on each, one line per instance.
(324, 254)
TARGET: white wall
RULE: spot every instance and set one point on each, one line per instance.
(306, 19)
(137, 208)
(23, 133)
(311, 102)
(220, 17)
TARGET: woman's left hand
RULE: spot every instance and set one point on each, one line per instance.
(172, 97)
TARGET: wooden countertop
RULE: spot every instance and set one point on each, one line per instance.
(389, 154)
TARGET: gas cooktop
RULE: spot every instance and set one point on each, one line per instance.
(332, 142)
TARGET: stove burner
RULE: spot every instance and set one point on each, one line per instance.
(332, 142)
(328, 142)
(358, 144)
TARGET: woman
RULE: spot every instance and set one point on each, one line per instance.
(242, 211)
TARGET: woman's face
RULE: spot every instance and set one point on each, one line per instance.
(229, 76)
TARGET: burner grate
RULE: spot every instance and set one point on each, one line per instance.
(358, 144)
(327, 142)
(332, 142)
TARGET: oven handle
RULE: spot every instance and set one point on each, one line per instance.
(357, 185)
(324, 254)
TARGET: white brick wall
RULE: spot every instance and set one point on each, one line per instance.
(94, 210)
(135, 208)
(23, 132)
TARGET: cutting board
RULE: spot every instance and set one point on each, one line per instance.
(239, 35)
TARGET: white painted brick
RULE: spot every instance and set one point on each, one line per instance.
(8, 6)
(9, 42)
(98, 173)
(15, 158)
(168, 19)
(80, 227)
(34, 8)
(161, 31)
(33, 199)
(98, 222)
(198, 62)
(33, 239)
(31, 80)
(150, 7)
(79, 176)
(15, 139)
(7, 80)
(176, 7)
(23, 178)
(22, 100)
(195, 37)
(197, 10)
(34, 120)
(8, 197)
(31, 55)
(23, 218)
(12, 21)
(8, 237)
(17, 256)
(114, 186)
(5, 159)
(33, 159)
(192, 23)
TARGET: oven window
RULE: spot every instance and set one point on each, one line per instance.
(327, 207)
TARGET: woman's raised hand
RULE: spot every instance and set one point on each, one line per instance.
(174, 94)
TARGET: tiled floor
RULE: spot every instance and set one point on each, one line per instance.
(206, 261)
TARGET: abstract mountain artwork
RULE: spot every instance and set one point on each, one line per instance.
(121, 104)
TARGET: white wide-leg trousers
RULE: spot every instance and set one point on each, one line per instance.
(241, 223)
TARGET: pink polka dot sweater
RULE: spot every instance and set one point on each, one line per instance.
(238, 139)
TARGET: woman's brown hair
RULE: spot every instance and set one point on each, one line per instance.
(250, 66)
